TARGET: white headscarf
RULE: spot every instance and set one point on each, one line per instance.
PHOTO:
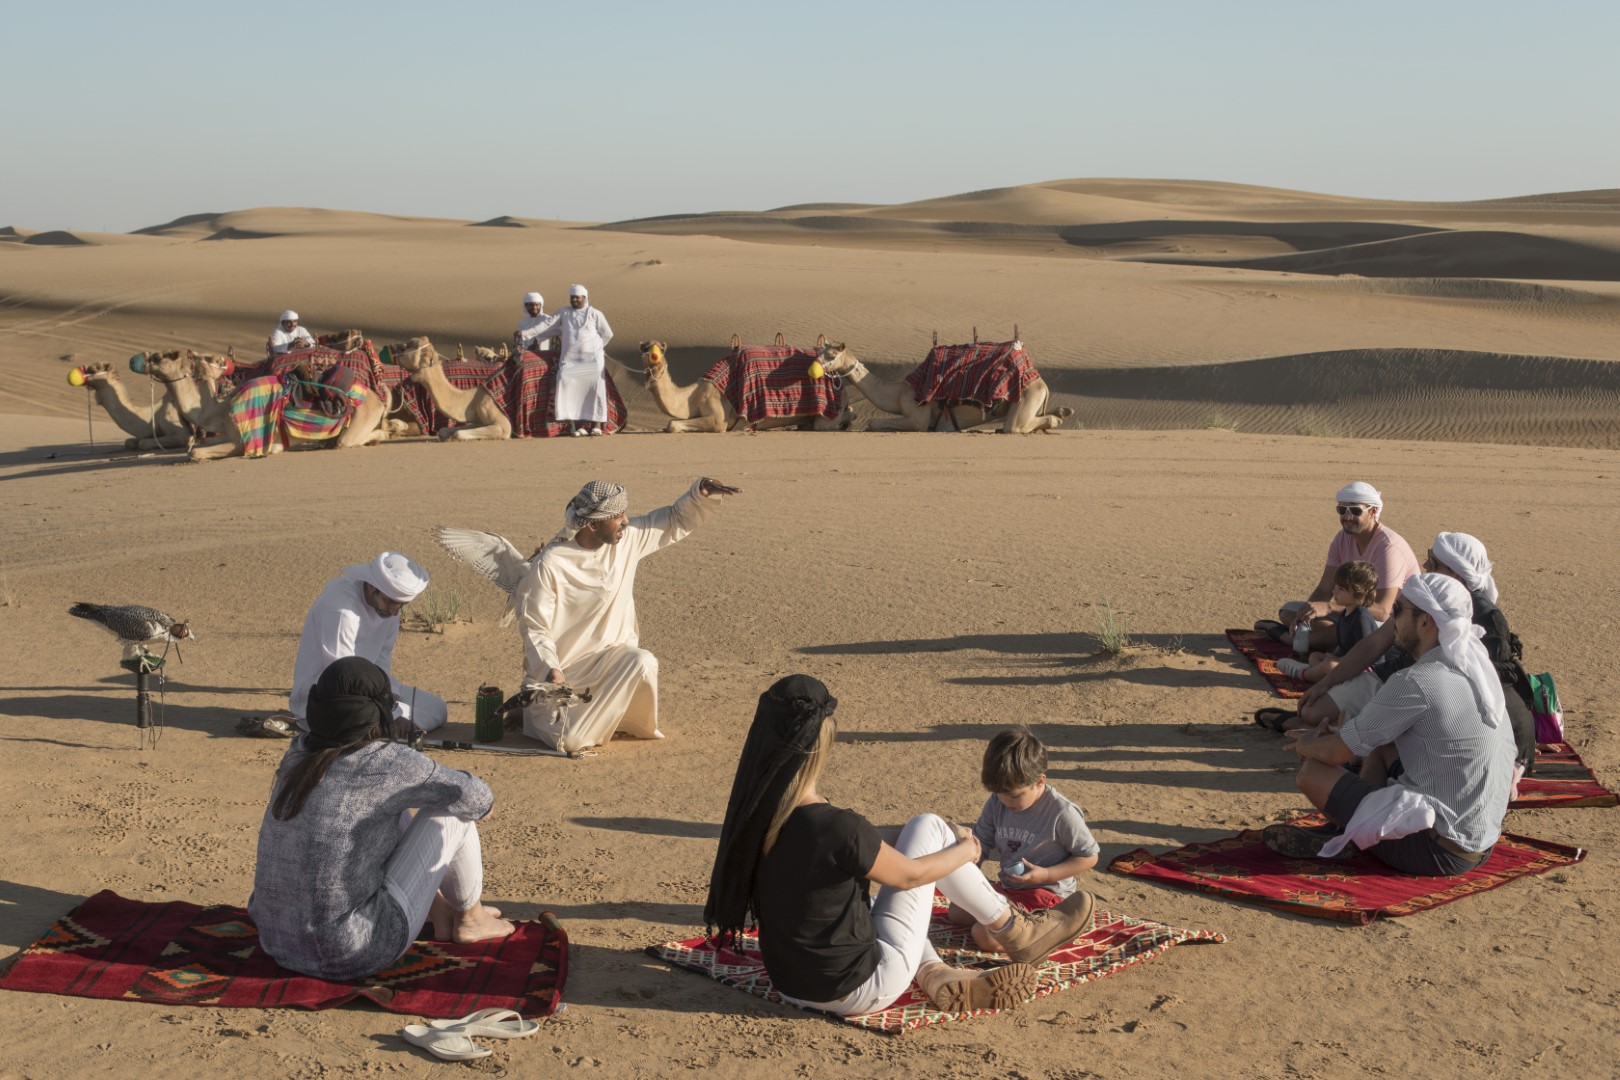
(289, 316)
(578, 290)
(1447, 602)
(534, 298)
(1465, 556)
(396, 576)
(1360, 493)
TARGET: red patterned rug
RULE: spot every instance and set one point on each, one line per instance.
(1358, 889)
(1115, 942)
(181, 954)
(523, 387)
(1264, 654)
(765, 382)
(1561, 778)
(986, 372)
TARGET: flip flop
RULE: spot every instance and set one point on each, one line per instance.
(1272, 718)
(444, 1045)
(265, 727)
(489, 1024)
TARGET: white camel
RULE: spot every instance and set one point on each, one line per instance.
(702, 407)
(148, 427)
(1028, 414)
(191, 380)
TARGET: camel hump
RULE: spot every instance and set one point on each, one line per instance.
(780, 340)
(736, 342)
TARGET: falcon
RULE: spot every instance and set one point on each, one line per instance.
(134, 625)
(491, 554)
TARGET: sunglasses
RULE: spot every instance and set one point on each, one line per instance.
(1351, 511)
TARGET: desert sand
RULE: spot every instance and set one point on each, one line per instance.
(1234, 355)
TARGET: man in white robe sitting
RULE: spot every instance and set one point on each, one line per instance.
(580, 398)
(288, 335)
(357, 614)
(527, 334)
(576, 611)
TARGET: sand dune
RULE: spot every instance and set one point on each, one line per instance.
(1461, 254)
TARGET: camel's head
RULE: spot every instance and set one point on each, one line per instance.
(92, 374)
(212, 367)
(344, 340)
(416, 354)
(168, 367)
(835, 357)
(652, 357)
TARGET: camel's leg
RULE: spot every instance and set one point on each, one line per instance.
(840, 422)
(215, 451)
(705, 424)
(484, 421)
(365, 427)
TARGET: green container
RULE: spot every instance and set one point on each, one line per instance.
(487, 723)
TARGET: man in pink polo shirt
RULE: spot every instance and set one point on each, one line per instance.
(1362, 536)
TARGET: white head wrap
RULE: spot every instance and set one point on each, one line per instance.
(289, 316)
(533, 298)
(394, 575)
(596, 501)
(578, 290)
(1465, 556)
(1447, 602)
(1362, 493)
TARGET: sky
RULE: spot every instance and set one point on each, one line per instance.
(118, 116)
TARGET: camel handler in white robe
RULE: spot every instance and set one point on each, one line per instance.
(580, 396)
(576, 611)
(526, 336)
(357, 614)
(287, 335)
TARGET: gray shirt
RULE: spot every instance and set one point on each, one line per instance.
(1447, 752)
(318, 895)
(1050, 831)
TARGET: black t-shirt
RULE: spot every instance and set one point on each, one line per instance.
(815, 922)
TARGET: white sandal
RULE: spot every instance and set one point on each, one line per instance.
(442, 1044)
(488, 1024)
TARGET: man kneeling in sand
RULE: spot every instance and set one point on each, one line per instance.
(576, 611)
(357, 614)
(1436, 745)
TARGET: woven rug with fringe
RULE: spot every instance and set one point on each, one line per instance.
(523, 390)
(766, 382)
(1115, 943)
(1357, 889)
(1264, 653)
(177, 953)
(986, 372)
(1561, 778)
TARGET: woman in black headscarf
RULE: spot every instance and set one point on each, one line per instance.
(802, 867)
(346, 876)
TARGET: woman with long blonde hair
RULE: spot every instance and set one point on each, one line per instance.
(802, 869)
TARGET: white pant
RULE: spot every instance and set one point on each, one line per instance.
(623, 681)
(436, 853)
(900, 919)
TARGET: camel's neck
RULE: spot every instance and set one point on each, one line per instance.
(884, 395)
(130, 418)
(450, 398)
(205, 412)
(676, 402)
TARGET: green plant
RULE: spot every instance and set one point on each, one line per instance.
(1217, 421)
(1112, 635)
(438, 608)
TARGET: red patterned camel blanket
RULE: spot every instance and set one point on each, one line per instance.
(768, 382)
(523, 390)
(368, 369)
(987, 373)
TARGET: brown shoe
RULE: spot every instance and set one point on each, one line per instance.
(960, 990)
(1031, 938)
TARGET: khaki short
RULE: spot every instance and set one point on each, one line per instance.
(1351, 697)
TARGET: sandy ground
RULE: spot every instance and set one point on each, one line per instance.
(943, 587)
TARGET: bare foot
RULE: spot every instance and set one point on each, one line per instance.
(479, 924)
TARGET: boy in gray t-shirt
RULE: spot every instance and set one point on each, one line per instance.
(1039, 837)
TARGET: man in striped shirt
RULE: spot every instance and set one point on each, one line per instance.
(1436, 745)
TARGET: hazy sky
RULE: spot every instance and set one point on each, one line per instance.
(121, 116)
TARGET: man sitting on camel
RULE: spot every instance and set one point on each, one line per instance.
(576, 611)
(1436, 745)
(1308, 624)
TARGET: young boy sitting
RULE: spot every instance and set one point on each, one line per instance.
(1039, 836)
(1355, 584)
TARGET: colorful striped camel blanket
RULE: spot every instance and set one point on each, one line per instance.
(766, 382)
(523, 389)
(986, 372)
(263, 412)
(367, 367)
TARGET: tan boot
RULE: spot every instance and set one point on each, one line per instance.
(960, 990)
(1031, 938)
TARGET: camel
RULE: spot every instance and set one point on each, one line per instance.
(190, 379)
(156, 428)
(1028, 414)
(702, 407)
(476, 413)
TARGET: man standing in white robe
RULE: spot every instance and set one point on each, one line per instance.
(287, 335)
(357, 614)
(576, 611)
(527, 333)
(579, 398)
